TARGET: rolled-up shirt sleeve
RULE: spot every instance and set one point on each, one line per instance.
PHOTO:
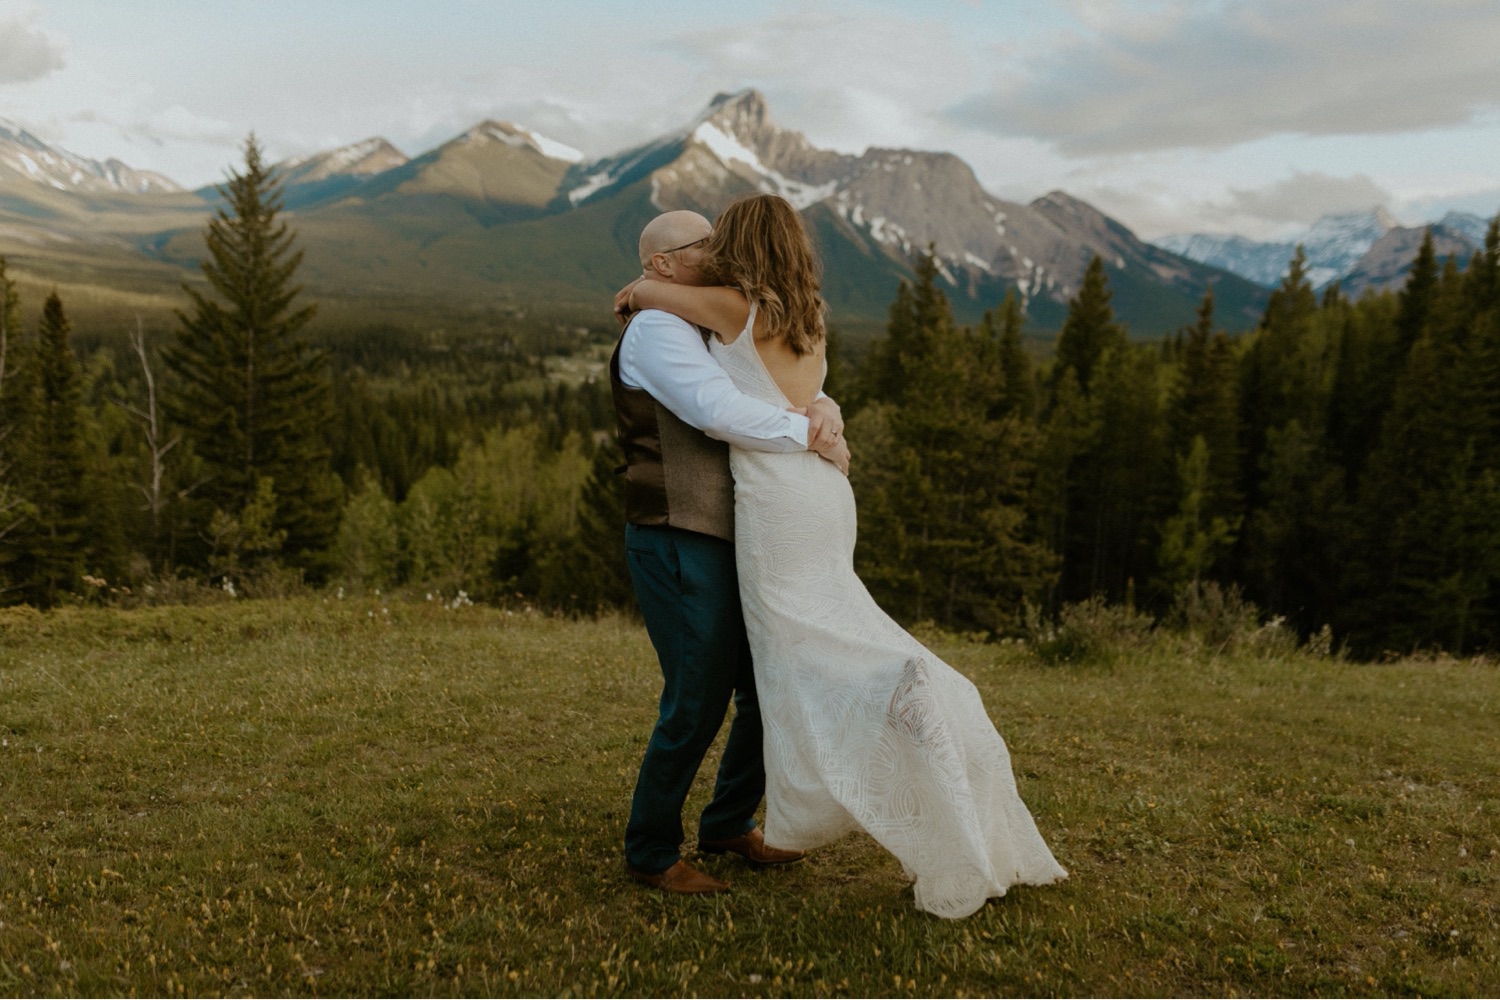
(664, 355)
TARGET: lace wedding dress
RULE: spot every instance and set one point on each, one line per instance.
(864, 727)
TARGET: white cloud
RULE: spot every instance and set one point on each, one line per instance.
(1270, 211)
(847, 79)
(1214, 75)
(26, 52)
(1307, 195)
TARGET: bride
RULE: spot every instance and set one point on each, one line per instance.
(864, 727)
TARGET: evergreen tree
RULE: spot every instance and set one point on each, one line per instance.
(1000, 334)
(16, 402)
(1104, 441)
(1090, 329)
(944, 470)
(919, 314)
(1204, 404)
(252, 393)
(1122, 485)
(1202, 437)
(1292, 540)
(1417, 296)
(589, 573)
(1370, 359)
(1193, 538)
(1280, 374)
(54, 538)
(1288, 378)
(1069, 433)
(1427, 570)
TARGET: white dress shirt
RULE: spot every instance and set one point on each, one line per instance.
(664, 355)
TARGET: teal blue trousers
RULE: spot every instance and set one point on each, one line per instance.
(689, 596)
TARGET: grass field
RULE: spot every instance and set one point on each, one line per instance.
(339, 797)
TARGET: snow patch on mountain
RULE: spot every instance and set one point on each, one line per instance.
(1333, 245)
(730, 150)
(521, 138)
(37, 161)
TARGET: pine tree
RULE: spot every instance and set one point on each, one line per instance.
(1204, 404)
(1288, 378)
(1090, 328)
(1000, 336)
(1370, 359)
(1106, 475)
(1202, 437)
(16, 402)
(54, 550)
(1193, 538)
(1426, 570)
(252, 393)
(919, 313)
(944, 469)
(1122, 485)
(1417, 297)
(1279, 377)
(591, 573)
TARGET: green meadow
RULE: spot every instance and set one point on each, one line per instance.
(367, 796)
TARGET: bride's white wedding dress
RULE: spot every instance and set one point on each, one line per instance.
(864, 727)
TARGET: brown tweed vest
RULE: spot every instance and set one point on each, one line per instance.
(674, 474)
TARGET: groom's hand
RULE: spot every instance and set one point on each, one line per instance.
(825, 424)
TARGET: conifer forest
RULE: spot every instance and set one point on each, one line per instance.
(1337, 468)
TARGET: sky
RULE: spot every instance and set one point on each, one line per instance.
(1244, 116)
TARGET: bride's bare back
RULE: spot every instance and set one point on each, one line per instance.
(800, 379)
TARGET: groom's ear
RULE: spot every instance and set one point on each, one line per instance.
(660, 263)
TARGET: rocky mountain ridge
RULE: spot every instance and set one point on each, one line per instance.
(1360, 250)
(26, 157)
(501, 207)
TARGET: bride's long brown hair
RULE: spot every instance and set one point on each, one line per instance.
(760, 247)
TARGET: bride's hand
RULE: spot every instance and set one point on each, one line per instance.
(623, 308)
(838, 454)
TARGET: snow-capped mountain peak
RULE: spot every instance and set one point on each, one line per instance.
(520, 138)
(359, 159)
(24, 154)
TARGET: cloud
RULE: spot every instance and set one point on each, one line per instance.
(26, 53)
(847, 79)
(1305, 196)
(1215, 75)
(1272, 211)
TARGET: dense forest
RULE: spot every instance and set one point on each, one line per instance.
(1338, 467)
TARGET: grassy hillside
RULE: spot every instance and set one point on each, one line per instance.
(356, 796)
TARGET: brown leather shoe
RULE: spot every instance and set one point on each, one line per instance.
(681, 877)
(752, 847)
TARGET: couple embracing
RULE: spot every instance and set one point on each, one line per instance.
(740, 543)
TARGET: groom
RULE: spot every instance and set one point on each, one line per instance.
(676, 411)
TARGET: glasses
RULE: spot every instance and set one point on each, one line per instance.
(686, 246)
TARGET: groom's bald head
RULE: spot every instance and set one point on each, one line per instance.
(672, 231)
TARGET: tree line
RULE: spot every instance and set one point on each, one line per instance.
(1337, 466)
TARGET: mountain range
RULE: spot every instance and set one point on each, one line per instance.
(1359, 250)
(502, 217)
